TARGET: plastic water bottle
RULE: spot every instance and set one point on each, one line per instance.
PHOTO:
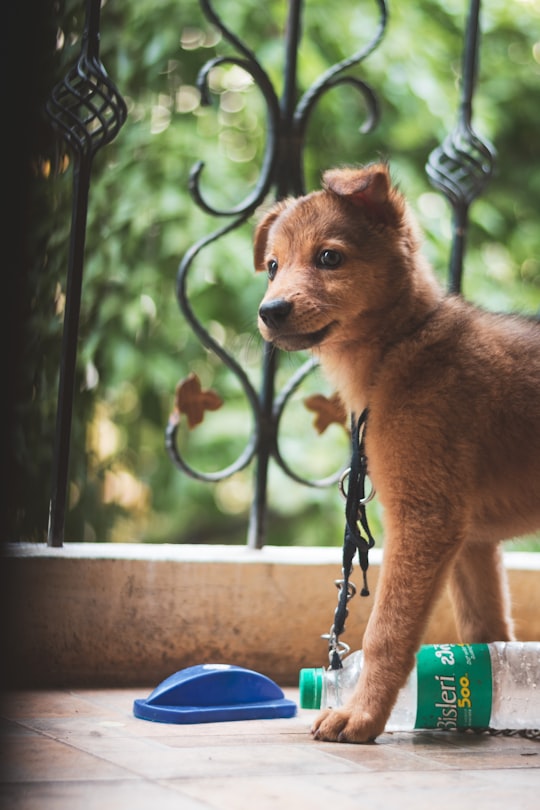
(453, 686)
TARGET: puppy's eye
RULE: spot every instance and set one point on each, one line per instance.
(272, 268)
(329, 258)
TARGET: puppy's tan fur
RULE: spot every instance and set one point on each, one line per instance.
(453, 437)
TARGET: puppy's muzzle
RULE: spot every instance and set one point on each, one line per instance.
(274, 313)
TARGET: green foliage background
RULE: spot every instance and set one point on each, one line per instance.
(134, 344)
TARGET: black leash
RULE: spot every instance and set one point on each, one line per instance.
(354, 541)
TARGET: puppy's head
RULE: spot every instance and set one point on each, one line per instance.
(331, 257)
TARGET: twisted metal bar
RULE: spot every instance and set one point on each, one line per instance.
(462, 167)
(88, 112)
(282, 168)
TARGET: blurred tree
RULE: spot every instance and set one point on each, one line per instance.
(134, 345)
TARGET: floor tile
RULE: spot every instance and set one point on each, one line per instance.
(444, 790)
(269, 793)
(31, 759)
(377, 791)
(380, 757)
(95, 796)
(53, 703)
(84, 749)
(153, 759)
(10, 729)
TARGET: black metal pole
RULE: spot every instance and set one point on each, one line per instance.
(267, 441)
(468, 81)
(66, 387)
(288, 172)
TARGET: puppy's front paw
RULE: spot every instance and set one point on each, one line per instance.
(346, 725)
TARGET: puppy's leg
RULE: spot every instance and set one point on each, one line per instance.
(417, 557)
(479, 593)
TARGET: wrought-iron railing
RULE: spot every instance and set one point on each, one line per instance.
(88, 111)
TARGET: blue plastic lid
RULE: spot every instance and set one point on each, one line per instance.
(214, 693)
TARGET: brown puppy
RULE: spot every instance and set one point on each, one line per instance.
(453, 435)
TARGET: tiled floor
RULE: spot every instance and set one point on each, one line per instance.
(83, 749)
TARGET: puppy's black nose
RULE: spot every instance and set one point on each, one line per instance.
(274, 313)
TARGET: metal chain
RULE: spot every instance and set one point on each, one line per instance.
(527, 733)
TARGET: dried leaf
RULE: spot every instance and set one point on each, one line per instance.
(328, 410)
(192, 401)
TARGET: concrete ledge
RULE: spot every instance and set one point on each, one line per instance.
(129, 615)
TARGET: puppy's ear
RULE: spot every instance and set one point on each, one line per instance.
(369, 188)
(261, 234)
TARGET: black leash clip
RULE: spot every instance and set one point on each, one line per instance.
(336, 649)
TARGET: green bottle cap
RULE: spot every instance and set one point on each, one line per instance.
(310, 682)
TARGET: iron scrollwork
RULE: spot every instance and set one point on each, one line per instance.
(282, 168)
(462, 166)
